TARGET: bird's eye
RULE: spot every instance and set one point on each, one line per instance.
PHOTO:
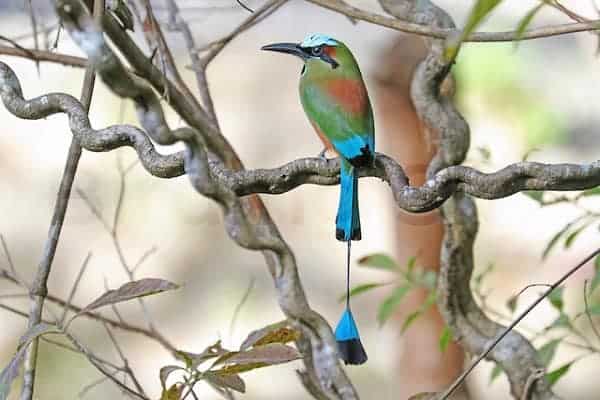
(317, 51)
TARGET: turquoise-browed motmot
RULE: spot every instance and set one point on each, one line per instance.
(336, 102)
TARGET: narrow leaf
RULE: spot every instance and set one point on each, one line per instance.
(511, 303)
(379, 261)
(553, 376)
(273, 353)
(556, 298)
(274, 333)
(166, 371)
(555, 239)
(537, 195)
(174, 392)
(131, 290)
(571, 238)
(547, 351)
(591, 192)
(359, 289)
(412, 317)
(233, 382)
(480, 10)
(445, 339)
(526, 20)
(496, 372)
(387, 308)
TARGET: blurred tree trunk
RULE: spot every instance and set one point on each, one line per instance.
(421, 365)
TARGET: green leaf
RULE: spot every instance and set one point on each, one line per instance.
(511, 303)
(496, 372)
(547, 351)
(594, 309)
(526, 20)
(478, 13)
(596, 280)
(359, 289)
(569, 240)
(553, 376)
(387, 308)
(537, 195)
(410, 264)
(429, 279)
(562, 321)
(555, 239)
(556, 298)
(379, 261)
(591, 192)
(412, 317)
(445, 339)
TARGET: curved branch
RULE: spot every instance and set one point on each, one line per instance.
(419, 28)
(246, 220)
(470, 326)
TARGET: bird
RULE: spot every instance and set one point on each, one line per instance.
(335, 100)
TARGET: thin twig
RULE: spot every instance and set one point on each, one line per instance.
(125, 361)
(39, 288)
(239, 306)
(43, 55)
(587, 310)
(34, 30)
(441, 33)
(448, 392)
(244, 6)
(75, 286)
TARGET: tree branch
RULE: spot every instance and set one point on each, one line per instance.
(39, 288)
(421, 28)
(44, 55)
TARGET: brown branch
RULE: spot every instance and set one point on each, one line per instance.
(39, 288)
(469, 324)
(43, 55)
(403, 25)
(122, 325)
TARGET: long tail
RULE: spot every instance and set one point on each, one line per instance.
(346, 333)
(347, 222)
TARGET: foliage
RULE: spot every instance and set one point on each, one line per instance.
(262, 348)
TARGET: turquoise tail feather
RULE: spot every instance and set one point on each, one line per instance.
(347, 221)
(348, 340)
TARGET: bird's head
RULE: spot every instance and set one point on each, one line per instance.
(318, 51)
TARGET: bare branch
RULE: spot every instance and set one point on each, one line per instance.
(39, 289)
(403, 25)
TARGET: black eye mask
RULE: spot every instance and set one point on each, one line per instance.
(329, 60)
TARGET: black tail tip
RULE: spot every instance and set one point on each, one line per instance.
(341, 235)
(352, 351)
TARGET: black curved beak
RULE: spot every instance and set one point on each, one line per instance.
(289, 48)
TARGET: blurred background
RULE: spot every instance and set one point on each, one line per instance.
(541, 95)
